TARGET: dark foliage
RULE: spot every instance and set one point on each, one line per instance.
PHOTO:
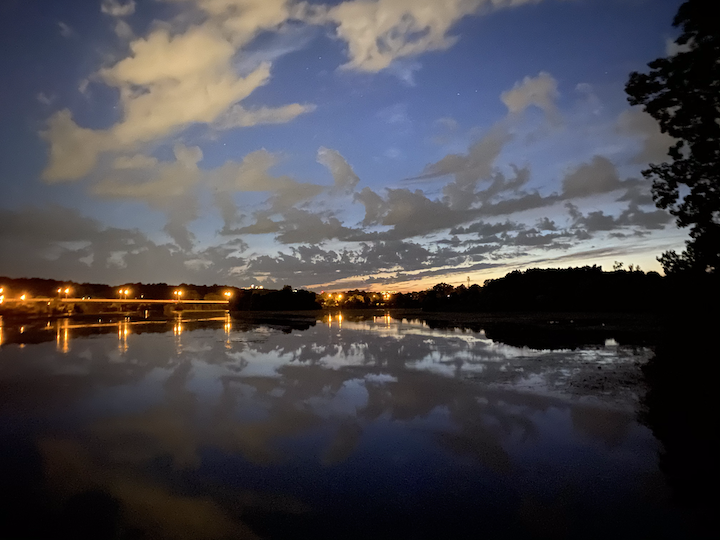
(681, 409)
(682, 92)
(583, 289)
(286, 299)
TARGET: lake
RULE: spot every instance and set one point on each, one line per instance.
(342, 427)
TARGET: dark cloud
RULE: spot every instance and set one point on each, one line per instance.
(477, 164)
(654, 143)
(632, 216)
(598, 176)
(57, 242)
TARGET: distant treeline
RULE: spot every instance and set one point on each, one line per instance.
(286, 299)
(584, 289)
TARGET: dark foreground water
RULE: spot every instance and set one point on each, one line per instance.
(377, 428)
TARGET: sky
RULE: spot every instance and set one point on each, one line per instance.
(372, 144)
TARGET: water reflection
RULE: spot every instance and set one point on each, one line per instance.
(222, 428)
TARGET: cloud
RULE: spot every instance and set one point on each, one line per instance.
(302, 227)
(44, 99)
(165, 186)
(186, 78)
(672, 48)
(252, 175)
(540, 91)
(342, 173)
(632, 216)
(411, 213)
(598, 176)
(123, 30)
(118, 9)
(242, 20)
(137, 161)
(380, 32)
(476, 164)
(238, 116)
(73, 150)
(640, 125)
(65, 30)
(172, 80)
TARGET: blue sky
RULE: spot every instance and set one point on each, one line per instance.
(379, 144)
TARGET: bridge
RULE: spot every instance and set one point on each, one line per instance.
(111, 301)
(48, 305)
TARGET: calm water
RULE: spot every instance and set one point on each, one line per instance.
(337, 429)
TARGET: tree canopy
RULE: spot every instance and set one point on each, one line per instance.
(682, 92)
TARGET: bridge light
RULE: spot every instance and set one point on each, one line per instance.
(23, 296)
(228, 294)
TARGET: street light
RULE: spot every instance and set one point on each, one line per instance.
(23, 296)
(177, 294)
(227, 294)
(67, 291)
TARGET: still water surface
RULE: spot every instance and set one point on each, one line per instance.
(375, 428)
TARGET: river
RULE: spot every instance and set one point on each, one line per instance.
(341, 427)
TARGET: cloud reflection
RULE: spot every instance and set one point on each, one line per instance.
(258, 402)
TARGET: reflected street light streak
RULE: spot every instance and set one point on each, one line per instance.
(62, 337)
(123, 331)
(228, 328)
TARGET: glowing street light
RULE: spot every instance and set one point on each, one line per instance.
(227, 294)
(67, 291)
(177, 294)
(124, 292)
(23, 296)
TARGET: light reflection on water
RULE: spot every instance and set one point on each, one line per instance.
(219, 428)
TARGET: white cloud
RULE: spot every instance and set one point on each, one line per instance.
(382, 31)
(73, 150)
(137, 161)
(172, 80)
(239, 116)
(241, 20)
(118, 9)
(540, 91)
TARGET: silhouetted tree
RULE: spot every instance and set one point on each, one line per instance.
(682, 92)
